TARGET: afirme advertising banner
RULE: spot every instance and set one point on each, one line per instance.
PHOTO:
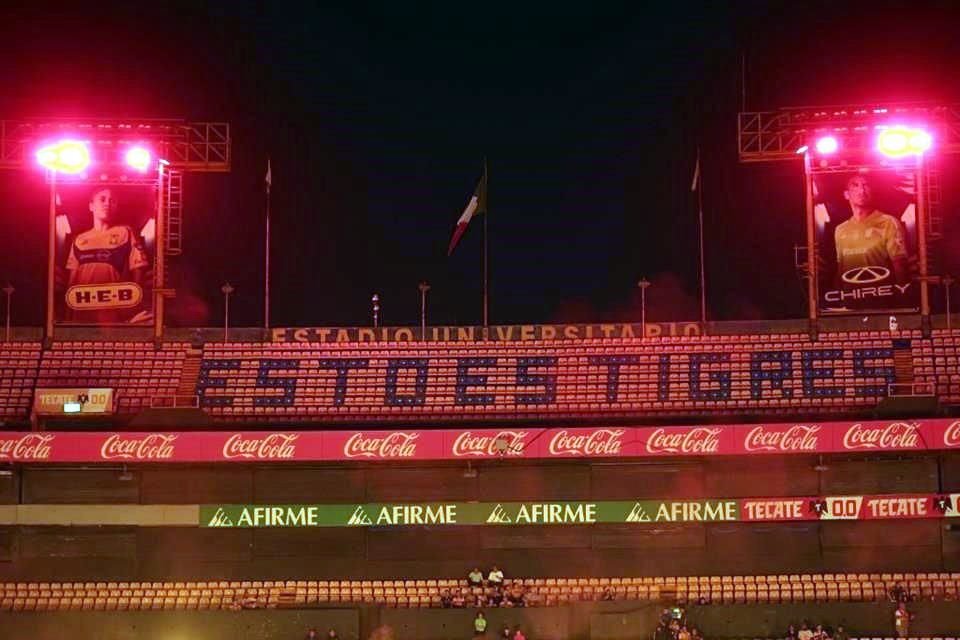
(866, 227)
(104, 253)
(413, 445)
(638, 512)
(58, 402)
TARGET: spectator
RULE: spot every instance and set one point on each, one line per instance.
(518, 634)
(515, 595)
(506, 634)
(791, 632)
(332, 634)
(494, 597)
(898, 593)
(458, 601)
(312, 635)
(495, 578)
(805, 633)
(841, 633)
(446, 600)
(901, 620)
(608, 594)
(475, 578)
(695, 634)
(683, 633)
(479, 624)
(662, 632)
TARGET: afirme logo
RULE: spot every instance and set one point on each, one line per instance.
(638, 514)
(498, 516)
(220, 519)
(359, 517)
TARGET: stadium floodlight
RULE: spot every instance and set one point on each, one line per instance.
(827, 145)
(900, 141)
(64, 156)
(138, 158)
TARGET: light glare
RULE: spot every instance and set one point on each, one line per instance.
(827, 144)
(900, 141)
(65, 156)
(138, 158)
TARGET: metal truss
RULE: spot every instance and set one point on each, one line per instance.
(188, 146)
(770, 136)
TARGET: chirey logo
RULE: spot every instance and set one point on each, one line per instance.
(220, 519)
(359, 517)
(638, 514)
(498, 516)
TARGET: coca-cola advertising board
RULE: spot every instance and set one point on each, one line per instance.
(405, 445)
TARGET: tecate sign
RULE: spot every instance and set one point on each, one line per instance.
(273, 446)
(398, 444)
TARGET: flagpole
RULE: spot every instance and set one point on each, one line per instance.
(486, 264)
(703, 268)
(266, 257)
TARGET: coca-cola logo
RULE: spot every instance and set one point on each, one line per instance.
(273, 446)
(696, 440)
(30, 446)
(951, 437)
(503, 443)
(398, 444)
(599, 442)
(798, 437)
(896, 435)
(153, 446)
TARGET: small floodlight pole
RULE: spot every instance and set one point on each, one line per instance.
(947, 283)
(424, 287)
(9, 291)
(159, 262)
(813, 294)
(227, 290)
(922, 245)
(375, 302)
(643, 284)
(51, 250)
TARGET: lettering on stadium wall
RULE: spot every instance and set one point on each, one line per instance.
(639, 512)
(502, 333)
(545, 380)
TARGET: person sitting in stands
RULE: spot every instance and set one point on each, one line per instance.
(332, 634)
(446, 600)
(506, 633)
(805, 633)
(515, 595)
(841, 633)
(495, 578)
(683, 633)
(312, 635)
(518, 635)
(791, 633)
(458, 600)
(475, 578)
(608, 594)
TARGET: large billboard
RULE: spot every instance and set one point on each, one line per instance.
(105, 238)
(867, 238)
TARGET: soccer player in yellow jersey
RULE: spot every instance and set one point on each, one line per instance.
(106, 253)
(869, 239)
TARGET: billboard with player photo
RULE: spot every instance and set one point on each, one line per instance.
(867, 238)
(104, 253)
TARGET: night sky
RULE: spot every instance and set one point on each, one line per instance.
(377, 119)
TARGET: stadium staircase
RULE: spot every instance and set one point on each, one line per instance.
(903, 364)
(190, 373)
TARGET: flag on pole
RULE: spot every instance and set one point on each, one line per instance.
(477, 204)
(269, 177)
(696, 173)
